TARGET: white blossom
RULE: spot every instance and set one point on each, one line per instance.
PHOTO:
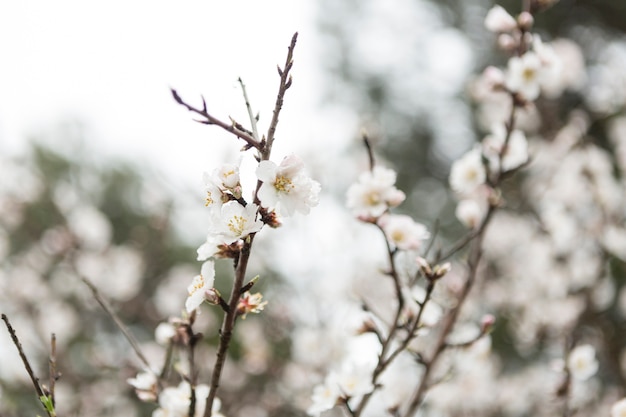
(286, 187)
(145, 384)
(164, 333)
(515, 154)
(325, 396)
(470, 212)
(582, 362)
(175, 401)
(499, 20)
(232, 222)
(222, 183)
(374, 193)
(403, 232)
(468, 172)
(619, 408)
(200, 285)
(524, 74)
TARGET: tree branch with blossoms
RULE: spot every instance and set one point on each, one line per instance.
(281, 190)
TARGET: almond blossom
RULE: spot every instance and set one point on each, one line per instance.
(499, 20)
(200, 287)
(512, 156)
(468, 172)
(374, 193)
(582, 362)
(524, 75)
(232, 222)
(286, 187)
(175, 401)
(403, 232)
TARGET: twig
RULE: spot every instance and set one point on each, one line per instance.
(29, 369)
(253, 119)
(285, 83)
(368, 146)
(52, 367)
(129, 336)
(251, 141)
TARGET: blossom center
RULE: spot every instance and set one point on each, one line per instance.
(237, 224)
(283, 184)
(373, 198)
(209, 199)
(197, 284)
(529, 74)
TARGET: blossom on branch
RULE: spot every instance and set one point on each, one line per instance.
(231, 223)
(499, 20)
(201, 288)
(468, 172)
(374, 193)
(175, 401)
(286, 187)
(221, 184)
(403, 232)
(582, 362)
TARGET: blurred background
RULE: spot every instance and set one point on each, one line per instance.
(101, 170)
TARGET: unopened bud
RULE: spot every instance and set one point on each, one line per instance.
(441, 270)
(506, 42)
(525, 20)
(487, 322)
(424, 266)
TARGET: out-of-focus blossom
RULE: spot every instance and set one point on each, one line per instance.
(286, 187)
(145, 384)
(515, 154)
(582, 362)
(403, 232)
(619, 408)
(374, 193)
(470, 212)
(524, 75)
(164, 333)
(200, 287)
(499, 20)
(175, 401)
(325, 396)
(468, 172)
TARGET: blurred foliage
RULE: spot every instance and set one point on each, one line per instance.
(65, 215)
(406, 121)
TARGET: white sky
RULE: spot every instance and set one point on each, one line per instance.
(110, 65)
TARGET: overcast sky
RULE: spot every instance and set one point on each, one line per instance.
(110, 64)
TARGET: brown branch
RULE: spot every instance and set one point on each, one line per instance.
(107, 308)
(210, 120)
(368, 146)
(228, 324)
(285, 83)
(393, 328)
(52, 368)
(29, 369)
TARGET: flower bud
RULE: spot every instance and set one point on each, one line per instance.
(525, 21)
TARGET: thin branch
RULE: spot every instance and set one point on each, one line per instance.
(285, 83)
(129, 336)
(52, 367)
(29, 369)
(253, 119)
(210, 120)
(368, 146)
(228, 324)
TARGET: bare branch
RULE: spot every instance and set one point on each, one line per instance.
(285, 83)
(210, 120)
(129, 336)
(29, 369)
